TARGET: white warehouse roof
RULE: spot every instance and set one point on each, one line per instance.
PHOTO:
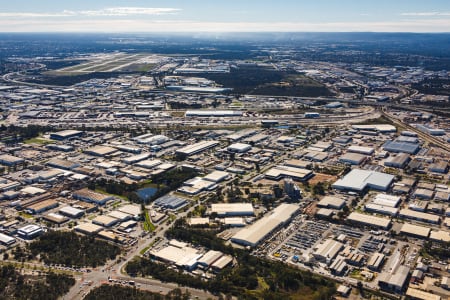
(358, 180)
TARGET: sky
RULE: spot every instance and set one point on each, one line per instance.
(120, 16)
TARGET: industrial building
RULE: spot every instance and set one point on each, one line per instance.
(55, 218)
(71, 212)
(439, 167)
(386, 200)
(376, 261)
(394, 281)
(440, 236)
(280, 172)
(423, 194)
(209, 258)
(88, 228)
(328, 250)
(65, 134)
(398, 161)
(131, 209)
(232, 209)
(63, 164)
(170, 202)
(213, 113)
(419, 216)
(6, 240)
(92, 196)
(413, 293)
(352, 158)
(30, 231)
(105, 221)
(217, 176)
(396, 147)
(369, 220)
(331, 202)
(416, 231)
(255, 233)
(9, 160)
(41, 206)
(197, 185)
(358, 180)
(100, 150)
(183, 257)
(196, 148)
(239, 147)
(120, 216)
(361, 150)
(380, 209)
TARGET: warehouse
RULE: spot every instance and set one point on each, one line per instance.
(71, 212)
(213, 113)
(111, 236)
(55, 218)
(222, 263)
(9, 160)
(358, 180)
(65, 134)
(105, 221)
(170, 202)
(120, 216)
(328, 250)
(30, 231)
(88, 228)
(413, 293)
(239, 147)
(232, 209)
(440, 236)
(280, 172)
(384, 128)
(62, 164)
(209, 258)
(369, 220)
(416, 231)
(331, 202)
(386, 200)
(439, 167)
(92, 196)
(6, 240)
(196, 185)
(185, 257)
(41, 206)
(380, 209)
(397, 147)
(423, 194)
(217, 176)
(395, 280)
(407, 139)
(100, 150)
(131, 209)
(128, 148)
(352, 158)
(255, 233)
(196, 148)
(149, 164)
(136, 158)
(376, 261)
(361, 150)
(419, 216)
(398, 161)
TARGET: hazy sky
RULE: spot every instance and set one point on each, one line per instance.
(224, 15)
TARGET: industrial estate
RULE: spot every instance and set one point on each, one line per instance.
(176, 176)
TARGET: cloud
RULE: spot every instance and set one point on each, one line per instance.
(107, 12)
(124, 25)
(426, 14)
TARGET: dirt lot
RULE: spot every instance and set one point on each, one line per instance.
(319, 177)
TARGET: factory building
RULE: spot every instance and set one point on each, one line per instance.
(380, 209)
(361, 150)
(30, 231)
(386, 200)
(369, 220)
(398, 161)
(439, 167)
(239, 148)
(217, 176)
(9, 160)
(358, 180)
(100, 151)
(280, 172)
(394, 281)
(88, 228)
(71, 212)
(213, 113)
(63, 164)
(352, 158)
(196, 148)
(258, 231)
(328, 250)
(402, 147)
(91, 196)
(65, 134)
(376, 261)
(6, 240)
(419, 216)
(170, 202)
(331, 202)
(232, 209)
(41, 206)
(415, 231)
(105, 221)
